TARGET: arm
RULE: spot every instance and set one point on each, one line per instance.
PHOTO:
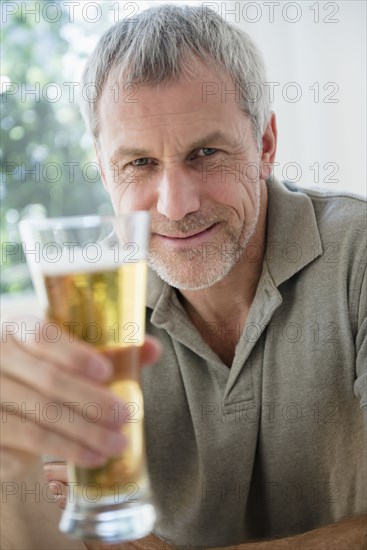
(347, 534)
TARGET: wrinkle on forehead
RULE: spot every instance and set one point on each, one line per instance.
(199, 76)
(166, 118)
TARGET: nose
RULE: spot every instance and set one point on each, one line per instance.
(178, 194)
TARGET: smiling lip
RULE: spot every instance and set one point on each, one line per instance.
(192, 238)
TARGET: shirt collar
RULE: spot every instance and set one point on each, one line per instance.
(293, 238)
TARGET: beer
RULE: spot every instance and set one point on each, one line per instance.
(123, 478)
(106, 308)
(103, 307)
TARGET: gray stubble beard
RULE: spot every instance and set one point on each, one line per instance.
(169, 274)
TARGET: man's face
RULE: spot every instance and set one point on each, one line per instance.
(192, 161)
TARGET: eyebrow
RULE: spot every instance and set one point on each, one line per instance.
(214, 138)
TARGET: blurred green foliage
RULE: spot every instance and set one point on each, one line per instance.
(47, 161)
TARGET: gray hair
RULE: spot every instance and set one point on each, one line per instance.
(156, 47)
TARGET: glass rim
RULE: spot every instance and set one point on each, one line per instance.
(87, 220)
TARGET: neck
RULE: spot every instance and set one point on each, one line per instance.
(229, 300)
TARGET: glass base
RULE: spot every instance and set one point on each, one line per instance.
(108, 523)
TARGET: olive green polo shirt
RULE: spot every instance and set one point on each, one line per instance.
(276, 444)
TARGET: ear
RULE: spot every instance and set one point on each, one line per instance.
(269, 146)
(100, 164)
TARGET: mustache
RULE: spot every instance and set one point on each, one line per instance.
(191, 222)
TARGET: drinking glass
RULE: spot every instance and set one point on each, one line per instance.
(89, 273)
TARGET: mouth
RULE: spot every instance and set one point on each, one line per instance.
(188, 239)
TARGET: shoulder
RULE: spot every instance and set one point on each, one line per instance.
(331, 198)
(339, 214)
(341, 220)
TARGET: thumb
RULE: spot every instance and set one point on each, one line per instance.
(150, 351)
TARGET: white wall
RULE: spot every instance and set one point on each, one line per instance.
(307, 52)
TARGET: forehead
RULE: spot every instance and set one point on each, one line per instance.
(206, 96)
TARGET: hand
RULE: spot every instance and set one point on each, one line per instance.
(46, 385)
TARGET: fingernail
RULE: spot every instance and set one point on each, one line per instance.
(99, 370)
(55, 488)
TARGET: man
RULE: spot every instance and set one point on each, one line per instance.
(253, 420)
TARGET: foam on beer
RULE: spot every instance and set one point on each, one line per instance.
(85, 260)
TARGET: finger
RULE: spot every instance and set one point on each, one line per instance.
(46, 340)
(61, 501)
(31, 413)
(56, 471)
(60, 492)
(33, 408)
(57, 476)
(47, 379)
(151, 351)
(33, 438)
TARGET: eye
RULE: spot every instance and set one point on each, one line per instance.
(207, 152)
(141, 162)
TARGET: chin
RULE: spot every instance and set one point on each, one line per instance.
(195, 277)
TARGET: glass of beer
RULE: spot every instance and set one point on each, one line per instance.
(89, 273)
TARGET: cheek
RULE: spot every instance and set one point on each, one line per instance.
(235, 191)
(131, 197)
